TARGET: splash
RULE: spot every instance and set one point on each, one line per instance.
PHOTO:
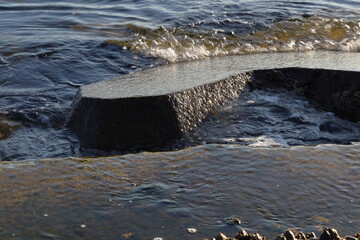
(295, 34)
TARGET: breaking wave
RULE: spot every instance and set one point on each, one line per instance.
(193, 42)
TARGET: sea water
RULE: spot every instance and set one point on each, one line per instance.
(261, 158)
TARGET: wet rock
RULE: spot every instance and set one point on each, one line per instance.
(192, 230)
(311, 235)
(121, 114)
(350, 238)
(147, 109)
(7, 126)
(301, 235)
(232, 221)
(289, 235)
(221, 236)
(241, 235)
(330, 234)
(256, 236)
(281, 237)
(334, 90)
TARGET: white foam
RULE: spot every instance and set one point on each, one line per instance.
(287, 36)
(266, 141)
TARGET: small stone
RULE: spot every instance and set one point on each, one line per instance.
(158, 238)
(83, 226)
(256, 236)
(289, 235)
(301, 235)
(281, 237)
(127, 235)
(241, 235)
(350, 238)
(45, 215)
(192, 230)
(233, 221)
(330, 234)
(310, 235)
(221, 236)
(237, 221)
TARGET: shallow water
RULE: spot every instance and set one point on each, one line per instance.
(273, 118)
(244, 166)
(49, 49)
(162, 194)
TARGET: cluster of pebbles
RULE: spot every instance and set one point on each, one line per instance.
(327, 234)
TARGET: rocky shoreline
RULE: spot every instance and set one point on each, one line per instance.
(327, 234)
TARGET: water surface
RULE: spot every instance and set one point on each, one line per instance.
(251, 162)
(162, 194)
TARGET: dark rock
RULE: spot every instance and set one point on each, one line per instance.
(301, 235)
(350, 238)
(106, 117)
(335, 90)
(281, 237)
(221, 236)
(330, 234)
(121, 114)
(241, 235)
(289, 235)
(7, 126)
(232, 221)
(310, 235)
(256, 236)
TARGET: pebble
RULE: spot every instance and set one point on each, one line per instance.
(233, 221)
(289, 235)
(350, 238)
(192, 230)
(310, 235)
(328, 234)
(158, 238)
(83, 226)
(301, 235)
(221, 236)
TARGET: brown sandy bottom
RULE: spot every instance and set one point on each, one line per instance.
(163, 194)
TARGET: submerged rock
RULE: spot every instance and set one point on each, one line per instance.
(232, 221)
(7, 126)
(336, 90)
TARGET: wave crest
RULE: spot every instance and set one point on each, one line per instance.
(296, 34)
